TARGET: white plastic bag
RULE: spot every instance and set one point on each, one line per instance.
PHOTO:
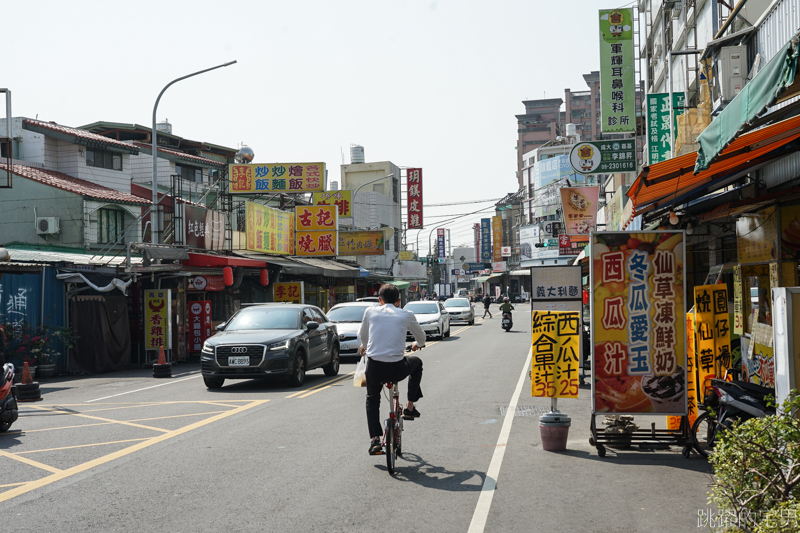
(360, 379)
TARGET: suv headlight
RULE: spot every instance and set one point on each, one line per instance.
(207, 348)
(279, 345)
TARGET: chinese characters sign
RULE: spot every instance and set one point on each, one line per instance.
(276, 177)
(604, 157)
(316, 233)
(316, 243)
(157, 315)
(361, 243)
(486, 240)
(738, 302)
(579, 205)
(204, 228)
(556, 283)
(269, 231)
(555, 354)
(341, 199)
(572, 244)
(637, 320)
(617, 89)
(199, 324)
(316, 217)
(658, 128)
(712, 332)
(497, 238)
(288, 292)
(440, 244)
(757, 237)
(414, 179)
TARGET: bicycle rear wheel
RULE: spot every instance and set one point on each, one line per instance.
(391, 446)
(704, 434)
(399, 432)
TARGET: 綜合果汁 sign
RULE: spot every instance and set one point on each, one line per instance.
(269, 231)
(361, 243)
(276, 178)
(617, 85)
(604, 157)
(158, 319)
(638, 322)
(343, 200)
(555, 354)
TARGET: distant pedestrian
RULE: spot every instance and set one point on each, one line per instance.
(486, 302)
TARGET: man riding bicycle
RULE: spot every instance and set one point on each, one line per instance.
(383, 341)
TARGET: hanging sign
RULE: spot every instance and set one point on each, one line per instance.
(269, 230)
(199, 324)
(276, 178)
(486, 240)
(362, 243)
(414, 207)
(617, 86)
(497, 238)
(658, 127)
(158, 319)
(440, 244)
(288, 292)
(579, 206)
(343, 200)
(604, 157)
(555, 354)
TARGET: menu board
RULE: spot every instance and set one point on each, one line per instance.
(757, 237)
(555, 354)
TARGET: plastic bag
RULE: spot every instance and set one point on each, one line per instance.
(360, 379)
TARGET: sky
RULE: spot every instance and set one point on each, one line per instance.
(428, 84)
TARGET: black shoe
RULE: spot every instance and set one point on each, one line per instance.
(375, 447)
(410, 415)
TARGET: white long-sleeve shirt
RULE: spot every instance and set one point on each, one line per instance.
(383, 332)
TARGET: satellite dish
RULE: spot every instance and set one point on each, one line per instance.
(388, 233)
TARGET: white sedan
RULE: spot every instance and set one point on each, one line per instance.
(347, 317)
(432, 318)
(460, 309)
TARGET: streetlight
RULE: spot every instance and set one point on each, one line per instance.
(362, 185)
(156, 225)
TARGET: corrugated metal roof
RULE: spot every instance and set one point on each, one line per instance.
(181, 155)
(39, 257)
(81, 134)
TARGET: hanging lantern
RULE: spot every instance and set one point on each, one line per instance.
(227, 276)
(264, 277)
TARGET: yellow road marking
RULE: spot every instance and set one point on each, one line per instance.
(63, 474)
(65, 427)
(325, 384)
(176, 416)
(81, 446)
(14, 484)
(30, 462)
(330, 384)
(104, 419)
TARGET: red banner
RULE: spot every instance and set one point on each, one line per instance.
(199, 324)
(414, 179)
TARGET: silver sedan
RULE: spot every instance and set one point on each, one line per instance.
(460, 310)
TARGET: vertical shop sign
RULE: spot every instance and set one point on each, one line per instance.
(476, 229)
(617, 89)
(555, 354)
(639, 350)
(288, 292)
(722, 329)
(704, 332)
(658, 126)
(199, 324)
(486, 240)
(738, 302)
(674, 422)
(157, 319)
(440, 244)
(414, 187)
(497, 238)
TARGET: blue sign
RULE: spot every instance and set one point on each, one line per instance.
(486, 239)
(440, 246)
(475, 267)
(552, 169)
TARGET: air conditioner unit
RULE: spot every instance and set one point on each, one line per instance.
(657, 51)
(676, 9)
(47, 225)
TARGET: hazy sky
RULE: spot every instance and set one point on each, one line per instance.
(430, 84)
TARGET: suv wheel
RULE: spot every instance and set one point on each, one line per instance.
(332, 368)
(298, 376)
(213, 383)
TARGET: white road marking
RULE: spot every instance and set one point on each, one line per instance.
(481, 513)
(140, 390)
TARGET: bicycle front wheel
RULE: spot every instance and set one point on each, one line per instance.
(704, 434)
(391, 446)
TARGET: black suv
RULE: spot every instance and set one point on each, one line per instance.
(269, 340)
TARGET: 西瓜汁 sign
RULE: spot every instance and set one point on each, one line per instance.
(555, 354)
(343, 200)
(158, 319)
(638, 322)
(579, 206)
(604, 157)
(414, 207)
(617, 86)
(361, 243)
(276, 178)
(269, 231)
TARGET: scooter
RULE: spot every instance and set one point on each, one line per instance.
(506, 322)
(8, 401)
(732, 401)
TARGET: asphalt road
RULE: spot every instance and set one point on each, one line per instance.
(127, 452)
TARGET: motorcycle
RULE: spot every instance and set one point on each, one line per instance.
(586, 364)
(506, 323)
(8, 400)
(724, 404)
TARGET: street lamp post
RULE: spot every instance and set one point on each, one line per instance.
(362, 185)
(154, 214)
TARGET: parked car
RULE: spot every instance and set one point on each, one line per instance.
(462, 293)
(348, 317)
(460, 309)
(432, 317)
(367, 299)
(271, 340)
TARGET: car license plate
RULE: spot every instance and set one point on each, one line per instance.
(346, 346)
(239, 361)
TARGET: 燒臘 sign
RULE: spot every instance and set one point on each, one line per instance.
(276, 177)
(316, 243)
(555, 354)
(315, 232)
(414, 207)
(617, 86)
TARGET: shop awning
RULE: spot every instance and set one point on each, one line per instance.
(523, 272)
(775, 83)
(402, 285)
(495, 275)
(330, 268)
(210, 260)
(481, 279)
(673, 181)
(287, 265)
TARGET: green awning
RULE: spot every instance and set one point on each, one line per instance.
(774, 84)
(496, 275)
(481, 279)
(402, 285)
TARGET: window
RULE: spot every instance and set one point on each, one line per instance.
(189, 173)
(103, 159)
(110, 225)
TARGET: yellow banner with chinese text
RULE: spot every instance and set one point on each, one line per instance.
(276, 178)
(269, 231)
(157, 319)
(555, 354)
(316, 243)
(343, 200)
(361, 243)
(316, 217)
(288, 292)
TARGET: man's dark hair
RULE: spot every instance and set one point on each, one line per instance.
(389, 293)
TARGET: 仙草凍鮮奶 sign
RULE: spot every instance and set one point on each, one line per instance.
(276, 178)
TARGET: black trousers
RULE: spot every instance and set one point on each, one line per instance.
(380, 373)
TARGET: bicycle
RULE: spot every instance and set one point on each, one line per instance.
(393, 427)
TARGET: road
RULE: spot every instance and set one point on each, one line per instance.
(127, 452)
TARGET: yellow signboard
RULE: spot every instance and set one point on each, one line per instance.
(157, 319)
(316, 217)
(276, 178)
(757, 237)
(674, 422)
(269, 231)
(361, 243)
(739, 311)
(341, 199)
(497, 238)
(555, 355)
(316, 243)
(288, 292)
(722, 329)
(704, 333)
(406, 256)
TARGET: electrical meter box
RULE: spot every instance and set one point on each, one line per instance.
(732, 71)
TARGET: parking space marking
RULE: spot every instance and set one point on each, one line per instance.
(13, 484)
(325, 384)
(330, 384)
(58, 475)
(30, 462)
(146, 388)
(101, 419)
(81, 446)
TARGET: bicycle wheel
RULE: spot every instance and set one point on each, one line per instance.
(399, 431)
(391, 449)
(704, 434)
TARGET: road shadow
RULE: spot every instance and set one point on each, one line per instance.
(9, 439)
(640, 455)
(412, 468)
(273, 384)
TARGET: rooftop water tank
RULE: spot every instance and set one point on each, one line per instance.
(334, 186)
(356, 153)
(164, 127)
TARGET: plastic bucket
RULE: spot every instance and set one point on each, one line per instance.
(553, 430)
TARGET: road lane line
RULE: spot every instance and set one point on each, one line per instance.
(14, 484)
(30, 462)
(81, 446)
(478, 523)
(63, 474)
(330, 384)
(140, 390)
(103, 419)
(324, 384)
